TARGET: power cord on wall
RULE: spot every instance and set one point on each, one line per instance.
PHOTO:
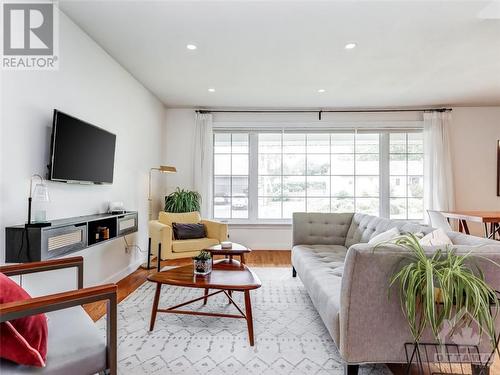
(128, 246)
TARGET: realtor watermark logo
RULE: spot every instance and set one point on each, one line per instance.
(462, 333)
(30, 35)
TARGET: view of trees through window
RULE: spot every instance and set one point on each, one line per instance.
(270, 175)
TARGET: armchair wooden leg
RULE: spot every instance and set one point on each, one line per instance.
(111, 335)
(158, 260)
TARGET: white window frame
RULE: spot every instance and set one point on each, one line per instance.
(384, 164)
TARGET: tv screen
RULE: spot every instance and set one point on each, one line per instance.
(80, 152)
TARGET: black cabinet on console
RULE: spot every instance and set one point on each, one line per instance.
(65, 236)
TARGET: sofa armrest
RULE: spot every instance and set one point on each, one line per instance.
(160, 233)
(46, 265)
(372, 325)
(216, 229)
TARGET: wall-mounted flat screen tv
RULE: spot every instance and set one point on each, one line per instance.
(80, 152)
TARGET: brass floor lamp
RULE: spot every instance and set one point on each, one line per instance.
(161, 169)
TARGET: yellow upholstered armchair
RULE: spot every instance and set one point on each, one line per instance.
(160, 232)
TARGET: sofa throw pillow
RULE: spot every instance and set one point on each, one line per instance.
(23, 340)
(188, 231)
(436, 238)
(384, 236)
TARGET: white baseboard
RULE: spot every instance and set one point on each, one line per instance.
(123, 273)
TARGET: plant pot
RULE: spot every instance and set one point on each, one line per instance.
(438, 295)
(202, 267)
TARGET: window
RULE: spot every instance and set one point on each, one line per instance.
(406, 176)
(266, 176)
(231, 155)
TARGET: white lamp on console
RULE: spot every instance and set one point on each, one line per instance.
(39, 196)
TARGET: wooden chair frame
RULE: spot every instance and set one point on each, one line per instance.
(60, 301)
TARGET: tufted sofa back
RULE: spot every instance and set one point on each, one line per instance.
(347, 229)
(364, 227)
(320, 228)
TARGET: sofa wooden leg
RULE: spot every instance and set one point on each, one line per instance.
(480, 369)
(294, 273)
(351, 369)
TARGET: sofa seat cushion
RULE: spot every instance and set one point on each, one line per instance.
(75, 346)
(183, 246)
(320, 269)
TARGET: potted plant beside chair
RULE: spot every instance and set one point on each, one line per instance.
(182, 200)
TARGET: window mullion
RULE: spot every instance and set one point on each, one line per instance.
(253, 177)
(384, 192)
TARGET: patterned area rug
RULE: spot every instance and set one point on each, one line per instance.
(290, 337)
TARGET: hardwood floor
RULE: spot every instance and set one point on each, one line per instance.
(257, 258)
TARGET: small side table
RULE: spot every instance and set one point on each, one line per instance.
(236, 250)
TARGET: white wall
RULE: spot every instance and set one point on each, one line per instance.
(474, 135)
(474, 151)
(178, 151)
(92, 86)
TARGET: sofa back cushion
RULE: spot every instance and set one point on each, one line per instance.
(168, 218)
(320, 228)
(364, 227)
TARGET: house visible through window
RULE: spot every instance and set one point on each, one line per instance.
(266, 176)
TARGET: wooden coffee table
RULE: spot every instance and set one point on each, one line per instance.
(235, 250)
(226, 276)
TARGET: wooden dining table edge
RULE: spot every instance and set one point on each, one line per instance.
(478, 217)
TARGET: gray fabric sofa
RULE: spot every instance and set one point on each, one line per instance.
(348, 282)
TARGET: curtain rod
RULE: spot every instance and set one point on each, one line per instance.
(320, 111)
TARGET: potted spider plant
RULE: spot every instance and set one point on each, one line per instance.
(182, 201)
(202, 263)
(434, 288)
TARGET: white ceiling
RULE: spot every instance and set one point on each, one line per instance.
(278, 54)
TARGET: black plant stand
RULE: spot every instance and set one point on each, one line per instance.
(450, 359)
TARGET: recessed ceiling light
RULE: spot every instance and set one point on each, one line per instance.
(321, 90)
(191, 46)
(350, 45)
(211, 90)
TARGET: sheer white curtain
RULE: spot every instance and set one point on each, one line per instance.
(202, 168)
(439, 192)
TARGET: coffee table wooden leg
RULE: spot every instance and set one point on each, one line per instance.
(242, 258)
(248, 313)
(155, 306)
(205, 299)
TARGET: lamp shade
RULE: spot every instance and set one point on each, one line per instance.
(41, 193)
